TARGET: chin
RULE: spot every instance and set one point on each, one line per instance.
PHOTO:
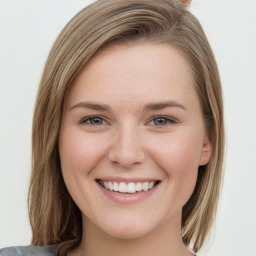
(125, 228)
(129, 233)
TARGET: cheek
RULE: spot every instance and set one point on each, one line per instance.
(177, 153)
(79, 155)
(79, 152)
(178, 156)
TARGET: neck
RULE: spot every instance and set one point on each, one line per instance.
(166, 240)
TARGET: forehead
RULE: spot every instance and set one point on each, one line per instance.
(132, 72)
(141, 56)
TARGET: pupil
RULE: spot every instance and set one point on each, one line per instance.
(96, 120)
(160, 121)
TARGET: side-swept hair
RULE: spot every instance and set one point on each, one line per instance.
(54, 217)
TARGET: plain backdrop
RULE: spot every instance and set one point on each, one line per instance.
(28, 29)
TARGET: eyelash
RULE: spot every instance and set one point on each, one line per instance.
(88, 120)
(167, 121)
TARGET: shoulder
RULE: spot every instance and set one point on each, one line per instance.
(28, 251)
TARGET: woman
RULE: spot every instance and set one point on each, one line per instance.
(128, 135)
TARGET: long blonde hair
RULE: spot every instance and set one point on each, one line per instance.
(54, 217)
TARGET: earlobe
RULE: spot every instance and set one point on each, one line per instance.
(206, 152)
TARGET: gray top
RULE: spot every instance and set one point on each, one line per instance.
(28, 251)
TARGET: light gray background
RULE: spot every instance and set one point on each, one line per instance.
(27, 30)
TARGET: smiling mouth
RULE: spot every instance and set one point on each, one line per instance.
(128, 188)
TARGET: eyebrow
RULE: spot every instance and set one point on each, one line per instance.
(147, 107)
(91, 105)
(162, 105)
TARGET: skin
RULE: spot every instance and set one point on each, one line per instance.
(129, 140)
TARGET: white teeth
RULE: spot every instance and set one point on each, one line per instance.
(115, 187)
(130, 187)
(105, 185)
(139, 187)
(122, 187)
(110, 186)
(145, 186)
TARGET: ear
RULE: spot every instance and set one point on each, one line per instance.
(206, 152)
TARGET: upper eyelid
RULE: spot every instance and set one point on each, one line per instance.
(152, 118)
(167, 119)
(84, 119)
(172, 119)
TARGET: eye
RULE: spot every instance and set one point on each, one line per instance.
(93, 120)
(162, 121)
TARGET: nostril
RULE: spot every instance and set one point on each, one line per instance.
(126, 158)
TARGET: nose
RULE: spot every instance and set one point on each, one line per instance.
(126, 148)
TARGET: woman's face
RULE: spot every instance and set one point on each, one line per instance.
(132, 123)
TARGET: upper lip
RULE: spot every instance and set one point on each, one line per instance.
(126, 180)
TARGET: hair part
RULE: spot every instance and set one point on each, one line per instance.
(54, 217)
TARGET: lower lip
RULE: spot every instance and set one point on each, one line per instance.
(128, 198)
